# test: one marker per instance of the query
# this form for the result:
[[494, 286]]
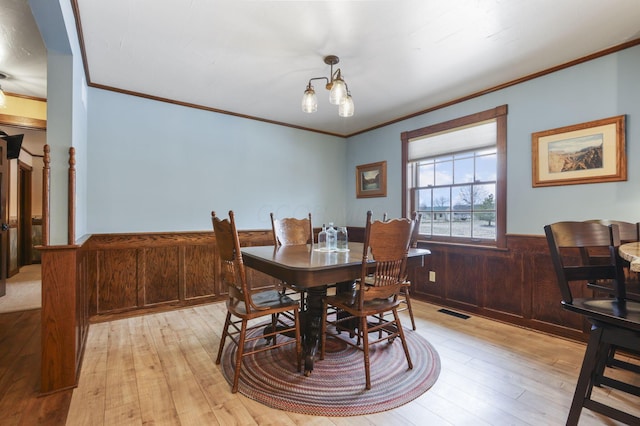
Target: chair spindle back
[[388, 244], [233, 272]]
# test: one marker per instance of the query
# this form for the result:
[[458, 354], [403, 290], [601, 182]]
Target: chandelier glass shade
[[309, 100], [345, 109], [338, 91]]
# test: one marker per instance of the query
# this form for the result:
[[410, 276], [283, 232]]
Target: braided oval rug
[[336, 387]]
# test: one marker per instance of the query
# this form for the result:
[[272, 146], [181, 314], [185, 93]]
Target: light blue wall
[[156, 166], [597, 89], [146, 166], [66, 113]]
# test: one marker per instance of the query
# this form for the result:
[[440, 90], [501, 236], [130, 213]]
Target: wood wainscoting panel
[[516, 284], [463, 278], [143, 272], [546, 297], [117, 280], [420, 282], [82, 297], [199, 272], [158, 271], [160, 275], [503, 286]]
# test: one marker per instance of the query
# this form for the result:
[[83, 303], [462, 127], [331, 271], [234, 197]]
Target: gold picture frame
[[371, 180], [589, 152]]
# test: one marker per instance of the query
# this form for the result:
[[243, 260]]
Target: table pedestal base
[[311, 321]]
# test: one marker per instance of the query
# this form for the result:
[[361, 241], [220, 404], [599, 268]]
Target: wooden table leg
[[312, 315]]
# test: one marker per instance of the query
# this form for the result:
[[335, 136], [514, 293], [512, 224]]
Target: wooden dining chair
[[291, 231], [628, 232], [615, 321], [244, 305], [405, 291], [376, 293]]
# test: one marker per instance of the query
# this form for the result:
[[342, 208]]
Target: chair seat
[[347, 301], [625, 315], [269, 299]]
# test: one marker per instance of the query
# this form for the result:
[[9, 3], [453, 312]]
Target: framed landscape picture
[[371, 180], [584, 153]]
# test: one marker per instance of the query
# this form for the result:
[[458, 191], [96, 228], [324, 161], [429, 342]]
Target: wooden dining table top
[[307, 266], [631, 253]]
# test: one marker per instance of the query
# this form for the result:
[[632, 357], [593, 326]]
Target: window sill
[[469, 245]]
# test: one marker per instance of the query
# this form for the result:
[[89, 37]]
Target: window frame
[[500, 115]]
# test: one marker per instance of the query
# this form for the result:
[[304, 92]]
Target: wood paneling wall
[[146, 271], [515, 285], [114, 275], [65, 316], [130, 272]]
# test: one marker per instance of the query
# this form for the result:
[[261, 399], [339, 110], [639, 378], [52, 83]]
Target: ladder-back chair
[[615, 321], [628, 232]]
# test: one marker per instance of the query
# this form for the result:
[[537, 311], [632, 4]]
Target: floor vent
[[454, 314]]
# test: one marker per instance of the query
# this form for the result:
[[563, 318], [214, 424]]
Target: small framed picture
[[583, 153], [371, 180]]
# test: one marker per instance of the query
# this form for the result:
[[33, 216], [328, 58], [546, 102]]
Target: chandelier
[[339, 91]]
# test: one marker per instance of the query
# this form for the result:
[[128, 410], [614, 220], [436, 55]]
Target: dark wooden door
[[25, 242], [4, 213]]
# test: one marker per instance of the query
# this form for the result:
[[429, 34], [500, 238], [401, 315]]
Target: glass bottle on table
[[342, 240], [332, 238], [322, 239]]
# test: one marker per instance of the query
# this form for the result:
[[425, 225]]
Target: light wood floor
[[159, 369]]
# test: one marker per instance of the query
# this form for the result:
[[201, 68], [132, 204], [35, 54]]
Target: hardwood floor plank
[[51, 410], [487, 407], [20, 337], [122, 405], [154, 393], [14, 406], [19, 382], [190, 403], [448, 411], [199, 347], [89, 398]]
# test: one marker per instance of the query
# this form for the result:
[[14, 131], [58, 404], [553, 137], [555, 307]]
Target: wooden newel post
[[71, 239], [46, 190]]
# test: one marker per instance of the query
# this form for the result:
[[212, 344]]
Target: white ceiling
[[23, 57], [254, 58]]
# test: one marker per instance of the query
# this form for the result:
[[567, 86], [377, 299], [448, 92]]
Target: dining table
[[312, 270], [631, 253]]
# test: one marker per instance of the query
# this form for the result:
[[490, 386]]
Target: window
[[454, 175]]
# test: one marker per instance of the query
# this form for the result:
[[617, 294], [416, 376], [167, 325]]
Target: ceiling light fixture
[[3, 99], [339, 94]]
